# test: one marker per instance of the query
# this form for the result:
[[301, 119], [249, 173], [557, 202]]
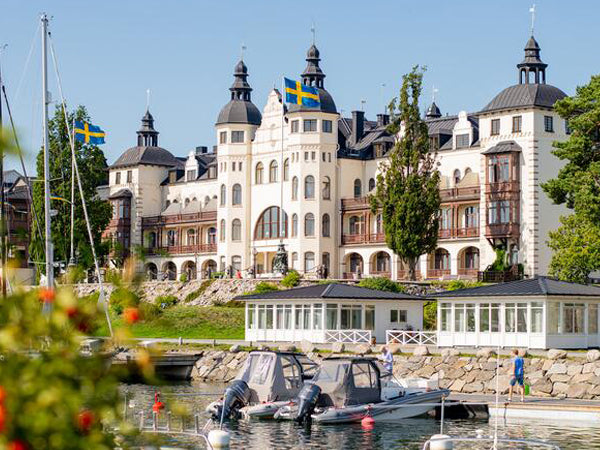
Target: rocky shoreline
[[552, 376]]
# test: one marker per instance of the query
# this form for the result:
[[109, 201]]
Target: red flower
[[85, 420], [2, 395], [2, 418], [131, 315], [46, 295], [17, 445], [71, 311]]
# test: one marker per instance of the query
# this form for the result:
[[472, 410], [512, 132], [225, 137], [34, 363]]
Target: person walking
[[518, 371], [388, 359]]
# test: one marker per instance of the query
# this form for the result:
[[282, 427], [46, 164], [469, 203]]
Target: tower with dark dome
[[240, 108], [532, 68]]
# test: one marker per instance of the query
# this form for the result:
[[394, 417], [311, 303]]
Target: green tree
[[92, 169], [381, 284], [575, 243], [407, 191]]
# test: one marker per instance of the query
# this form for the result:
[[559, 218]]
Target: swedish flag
[[301, 94], [88, 133]]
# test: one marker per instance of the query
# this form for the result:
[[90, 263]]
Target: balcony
[[502, 230], [455, 233], [372, 238], [460, 194], [438, 273], [123, 222], [358, 203], [502, 187], [204, 216], [175, 250], [464, 272]]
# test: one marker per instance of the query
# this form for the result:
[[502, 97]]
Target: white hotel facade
[[219, 208]]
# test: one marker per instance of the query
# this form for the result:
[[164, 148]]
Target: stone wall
[[559, 377]]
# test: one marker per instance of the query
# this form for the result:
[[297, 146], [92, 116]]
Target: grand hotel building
[[220, 208]]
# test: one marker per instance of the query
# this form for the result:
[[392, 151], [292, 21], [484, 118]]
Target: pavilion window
[[298, 317], [287, 317], [370, 317], [306, 317], [279, 317], [515, 318], [552, 326], [331, 315], [262, 317], [537, 317], [459, 318], [351, 317], [317, 316], [251, 314], [470, 317], [592, 318], [398, 316], [573, 318], [446, 316], [269, 317]]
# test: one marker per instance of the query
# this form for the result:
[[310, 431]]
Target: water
[[408, 434]]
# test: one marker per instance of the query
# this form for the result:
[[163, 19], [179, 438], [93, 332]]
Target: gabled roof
[[155, 156], [503, 147], [121, 193], [330, 291], [538, 286]]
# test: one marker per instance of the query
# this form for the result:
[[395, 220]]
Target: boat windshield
[[256, 369], [332, 372]]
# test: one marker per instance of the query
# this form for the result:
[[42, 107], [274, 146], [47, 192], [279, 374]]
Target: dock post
[[154, 421], [197, 423], [141, 420], [442, 414], [169, 421]]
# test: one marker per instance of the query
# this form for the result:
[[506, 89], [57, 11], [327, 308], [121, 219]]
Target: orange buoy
[[158, 405], [367, 422]]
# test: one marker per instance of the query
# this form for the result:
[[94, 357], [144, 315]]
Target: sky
[[110, 52]]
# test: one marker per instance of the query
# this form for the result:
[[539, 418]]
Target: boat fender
[[440, 442], [218, 438], [367, 422]]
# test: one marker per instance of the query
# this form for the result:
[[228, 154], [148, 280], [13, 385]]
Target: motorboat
[[268, 380], [349, 389]]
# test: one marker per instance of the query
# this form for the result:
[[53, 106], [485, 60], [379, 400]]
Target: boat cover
[[345, 382]]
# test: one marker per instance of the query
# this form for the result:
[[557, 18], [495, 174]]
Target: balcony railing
[[498, 230], [183, 249], [507, 186], [452, 233], [370, 238], [500, 276], [122, 222], [438, 273], [355, 203], [410, 337], [204, 216], [470, 273], [460, 193], [348, 336], [403, 274]]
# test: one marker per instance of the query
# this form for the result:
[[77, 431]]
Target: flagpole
[[72, 254], [281, 157]]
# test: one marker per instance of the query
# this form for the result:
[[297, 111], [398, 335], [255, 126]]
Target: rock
[[307, 346], [536, 375], [395, 349], [338, 347], [547, 364], [287, 348], [503, 383], [588, 368], [560, 389], [560, 378], [425, 372], [485, 352], [543, 386], [448, 352], [363, 349], [470, 388], [560, 368], [485, 375], [582, 377], [577, 390], [457, 385], [592, 355], [421, 350], [454, 374], [574, 369], [555, 353], [263, 348]]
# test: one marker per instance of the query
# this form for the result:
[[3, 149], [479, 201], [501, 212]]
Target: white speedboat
[[348, 389], [267, 381]]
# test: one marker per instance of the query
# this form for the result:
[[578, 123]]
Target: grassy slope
[[191, 322]]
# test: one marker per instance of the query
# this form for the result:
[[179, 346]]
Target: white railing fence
[[348, 336], [410, 337]]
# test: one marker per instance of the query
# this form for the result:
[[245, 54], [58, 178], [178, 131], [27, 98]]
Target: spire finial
[[532, 11], [147, 99], [242, 50], [434, 91], [362, 104], [313, 30]]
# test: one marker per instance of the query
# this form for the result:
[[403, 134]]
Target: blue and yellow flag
[[88, 133], [301, 94]]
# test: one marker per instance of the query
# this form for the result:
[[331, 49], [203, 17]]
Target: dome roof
[[326, 104], [313, 52], [154, 156], [240, 111], [524, 96]]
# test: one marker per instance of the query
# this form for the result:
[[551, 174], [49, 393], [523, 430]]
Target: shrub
[[183, 277], [218, 275], [461, 284], [292, 279], [262, 287], [198, 292], [234, 304], [122, 298], [149, 311], [430, 315], [164, 301], [382, 284]]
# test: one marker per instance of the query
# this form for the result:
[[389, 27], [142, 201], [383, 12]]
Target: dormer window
[[191, 175], [237, 137], [434, 143], [172, 177], [495, 127], [379, 150], [462, 140], [212, 172]]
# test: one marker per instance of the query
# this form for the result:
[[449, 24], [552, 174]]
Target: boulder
[[448, 352], [559, 389], [425, 372], [287, 348], [574, 369], [582, 378], [363, 349], [457, 386], [593, 355], [542, 386], [264, 348], [485, 375], [421, 350], [559, 368], [577, 390], [307, 346], [555, 353], [588, 368], [485, 352], [560, 378], [476, 387], [338, 347], [503, 383]]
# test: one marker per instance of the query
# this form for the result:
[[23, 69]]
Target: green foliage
[[430, 315], [575, 244], [233, 304], [576, 249], [407, 192], [165, 301], [500, 264], [292, 279], [149, 311], [218, 275], [382, 284], [183, 277], [92, 169], [262, 288], [454, 285], [198, 292], [122, 297]]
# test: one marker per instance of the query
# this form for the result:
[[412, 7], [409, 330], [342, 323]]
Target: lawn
[[190, 322]]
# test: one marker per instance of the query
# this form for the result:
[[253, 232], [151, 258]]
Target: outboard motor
[[237, 395], [307, 400]]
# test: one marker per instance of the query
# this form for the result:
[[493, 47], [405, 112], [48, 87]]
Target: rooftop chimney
[[383, 120], [201, 150], [358, 125]]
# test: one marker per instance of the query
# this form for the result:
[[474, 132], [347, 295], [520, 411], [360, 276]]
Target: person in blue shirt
[[388, 359], [518, 374]]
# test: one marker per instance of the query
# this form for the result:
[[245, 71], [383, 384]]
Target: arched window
[[456, 176], [236, 195], [258, 173], [286, 169], [357, 188], [191, 236], [309, 187], [382, 262], [167, 203], [236, 230], [269, 224], [326, 188], [371, 184], [273, 168], [236, 263], [294, 260], [467, 171], [309, 261], [171, 238], [309, 224], [379, 223], [223, 195], [441, 259], [211, 236], [325, 226], [186, 202], [294, 225], [356, 224], [295, 188], [222, 231], [152, 239]]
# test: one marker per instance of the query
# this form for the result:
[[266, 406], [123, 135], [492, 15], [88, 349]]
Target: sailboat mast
[[3, 240], [45, 101]]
